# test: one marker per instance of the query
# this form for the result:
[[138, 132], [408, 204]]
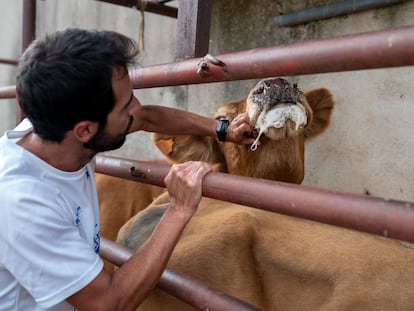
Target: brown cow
[[285, 115], [275, 261]]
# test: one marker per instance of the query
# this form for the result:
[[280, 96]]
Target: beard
[[103, 141]]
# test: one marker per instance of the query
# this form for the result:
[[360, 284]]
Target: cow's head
[[277, 109], [282, 117]]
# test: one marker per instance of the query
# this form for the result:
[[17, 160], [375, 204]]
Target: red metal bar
[[368, 214], [178, 285], [391, 48], [8, 91], [8, 61], [156, 7]]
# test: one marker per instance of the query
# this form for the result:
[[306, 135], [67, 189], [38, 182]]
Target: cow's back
[[279, 262]]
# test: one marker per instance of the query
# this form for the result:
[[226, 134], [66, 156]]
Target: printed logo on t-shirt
[[97, 240], [77, 219]]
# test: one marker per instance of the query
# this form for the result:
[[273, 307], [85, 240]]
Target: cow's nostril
[[259, 89]]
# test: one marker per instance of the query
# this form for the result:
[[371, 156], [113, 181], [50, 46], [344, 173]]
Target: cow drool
[[277, 118]]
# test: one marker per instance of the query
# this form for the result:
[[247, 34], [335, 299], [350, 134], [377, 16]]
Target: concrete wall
[[368, 146]]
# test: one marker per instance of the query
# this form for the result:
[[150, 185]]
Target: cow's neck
[[281, 161]]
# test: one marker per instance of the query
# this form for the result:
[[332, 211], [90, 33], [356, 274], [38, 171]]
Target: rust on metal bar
[[145, 172], [381, 49], [187, 289], [393, 219], [155, 7]]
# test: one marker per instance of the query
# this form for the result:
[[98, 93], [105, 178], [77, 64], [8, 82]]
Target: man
[[75, 90]]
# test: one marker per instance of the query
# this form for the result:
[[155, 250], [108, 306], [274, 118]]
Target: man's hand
[[239, 130], [183, 183]]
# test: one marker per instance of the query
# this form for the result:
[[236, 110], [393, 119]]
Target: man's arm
[[129, 285], [180, 122]]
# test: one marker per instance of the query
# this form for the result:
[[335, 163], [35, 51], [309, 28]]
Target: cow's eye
[[259, 89]]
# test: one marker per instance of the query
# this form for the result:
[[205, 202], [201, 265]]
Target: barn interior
[[197, 55]]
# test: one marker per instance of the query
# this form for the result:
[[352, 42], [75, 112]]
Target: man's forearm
[[148, 263], [172, 121], [128, 286]]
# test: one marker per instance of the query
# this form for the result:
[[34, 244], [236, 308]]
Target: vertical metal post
[[28, 35], [29, 23], [193, 28]]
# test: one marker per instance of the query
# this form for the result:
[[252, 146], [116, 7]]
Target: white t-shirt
[[49, 232]]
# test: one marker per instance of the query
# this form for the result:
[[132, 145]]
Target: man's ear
[[85, 130]]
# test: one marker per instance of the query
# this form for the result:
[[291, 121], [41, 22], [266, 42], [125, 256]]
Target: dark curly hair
[[66, 77]]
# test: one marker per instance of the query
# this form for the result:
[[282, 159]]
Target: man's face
[[105, 141], [120, 119]]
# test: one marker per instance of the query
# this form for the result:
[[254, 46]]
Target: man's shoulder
[[24, 189]]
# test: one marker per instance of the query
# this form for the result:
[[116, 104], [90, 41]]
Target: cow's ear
[[182, 148], [322, 103]]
